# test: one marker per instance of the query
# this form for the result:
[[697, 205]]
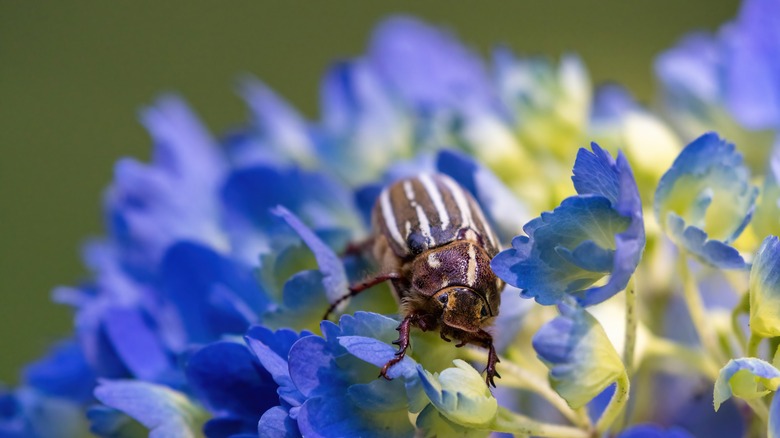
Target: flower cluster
[[203, 313]]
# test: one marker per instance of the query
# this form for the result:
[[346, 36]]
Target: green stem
[[510, 422], [514, 376], [696, 310], [742, 308], [666, 349], [632, 322], [615, 406], [759, 408], [753, 344]]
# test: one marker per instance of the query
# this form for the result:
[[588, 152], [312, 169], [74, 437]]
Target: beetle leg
[[491, 366], [444, 337], [402, 342], [486, 340], [360, 287]]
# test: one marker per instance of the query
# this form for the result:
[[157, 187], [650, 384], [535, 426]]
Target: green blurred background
[[73, 74]]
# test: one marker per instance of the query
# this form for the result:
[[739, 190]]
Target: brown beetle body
[[433, 243]]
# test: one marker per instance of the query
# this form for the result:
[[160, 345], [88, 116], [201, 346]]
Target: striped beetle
[[432, 242]]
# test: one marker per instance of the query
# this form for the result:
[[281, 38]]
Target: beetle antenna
[[358, 288]]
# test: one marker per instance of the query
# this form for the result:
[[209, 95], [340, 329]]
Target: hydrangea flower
[[246, 236], [598, 233], [728, 81], [705, 200]]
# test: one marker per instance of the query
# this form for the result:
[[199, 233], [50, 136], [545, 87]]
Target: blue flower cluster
[[203, 313]]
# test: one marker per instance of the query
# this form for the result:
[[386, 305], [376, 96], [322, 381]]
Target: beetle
[[432, 242]]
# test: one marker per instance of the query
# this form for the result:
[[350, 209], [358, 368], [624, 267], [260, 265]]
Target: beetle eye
[[484, 311], [443, 298]]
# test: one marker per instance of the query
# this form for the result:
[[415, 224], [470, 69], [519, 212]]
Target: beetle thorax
[[459, 263]]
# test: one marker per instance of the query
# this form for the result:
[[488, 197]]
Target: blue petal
[[694, 240], [26, 413], [334, 275], [272, 350], [534, 265], [276, 423], [691, 69], [250, 194], [195, 277], [166, 413], [611, 102], [149, 206], [313, 368], [379, 353], [64, 372], [283, 132], [595, 174], [364, 128], [428, 68], [228, 379], [368, 324], [588, 256], [581, 358], [229, 427], [379, 395], [365, 198], [137, 343], [339, 416], [107, 422], [752, 86]]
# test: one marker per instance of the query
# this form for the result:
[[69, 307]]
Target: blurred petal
[[427, 67], [752, 84], [150, 206], [281, 129], [195, 279], [165, 412], [64, 372]]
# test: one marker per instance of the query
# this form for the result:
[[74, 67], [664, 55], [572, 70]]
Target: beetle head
[[463, 308]]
